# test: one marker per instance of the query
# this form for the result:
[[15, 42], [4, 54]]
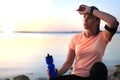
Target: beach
[[113, 74]]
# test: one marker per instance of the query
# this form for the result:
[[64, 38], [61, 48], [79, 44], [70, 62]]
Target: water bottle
[[51, 66]]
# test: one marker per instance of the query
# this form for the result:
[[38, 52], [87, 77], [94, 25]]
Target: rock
[[21, 77], [41, 79], [115, 74], [117, 67]]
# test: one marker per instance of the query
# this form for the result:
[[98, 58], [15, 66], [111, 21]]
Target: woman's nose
[[85, 19]]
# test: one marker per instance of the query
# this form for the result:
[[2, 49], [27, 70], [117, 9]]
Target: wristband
[[91, 11]]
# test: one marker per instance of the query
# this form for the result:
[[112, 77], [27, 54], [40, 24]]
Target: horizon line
[[48, 32]]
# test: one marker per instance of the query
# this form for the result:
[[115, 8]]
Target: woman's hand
[[83, 9], [48, 73]]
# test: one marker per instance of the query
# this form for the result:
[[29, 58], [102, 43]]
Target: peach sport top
[[87, 51]]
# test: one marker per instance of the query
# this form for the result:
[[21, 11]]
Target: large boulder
[[115, 74]]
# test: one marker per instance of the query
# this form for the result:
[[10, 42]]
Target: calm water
[[25, 53]]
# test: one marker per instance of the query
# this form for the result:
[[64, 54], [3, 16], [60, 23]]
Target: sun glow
[[7, 31], [25, 14], [8, 28]]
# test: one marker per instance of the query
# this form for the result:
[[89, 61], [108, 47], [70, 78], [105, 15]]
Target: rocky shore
[[112, 74]]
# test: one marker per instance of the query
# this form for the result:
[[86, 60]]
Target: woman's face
[[89, 21]]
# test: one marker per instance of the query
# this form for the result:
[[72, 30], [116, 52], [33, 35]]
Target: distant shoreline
[[47, 31], [52, 32]]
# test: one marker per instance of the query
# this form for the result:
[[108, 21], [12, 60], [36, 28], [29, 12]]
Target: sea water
[[25, 53]]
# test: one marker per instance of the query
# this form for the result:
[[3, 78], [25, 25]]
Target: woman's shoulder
[[78, 35], [102, 35]]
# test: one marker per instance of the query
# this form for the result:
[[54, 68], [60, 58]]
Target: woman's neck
[[89, 33]]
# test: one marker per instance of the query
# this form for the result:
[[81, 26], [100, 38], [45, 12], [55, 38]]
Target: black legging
[[97, 72]]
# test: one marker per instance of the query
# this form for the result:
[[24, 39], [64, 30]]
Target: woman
[[88, 47]]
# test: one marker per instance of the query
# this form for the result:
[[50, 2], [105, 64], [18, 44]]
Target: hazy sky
[[49, 15]]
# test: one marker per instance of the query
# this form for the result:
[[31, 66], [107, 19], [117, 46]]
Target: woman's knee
[[99, 71]]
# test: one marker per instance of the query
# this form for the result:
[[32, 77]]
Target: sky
[[49, 15]]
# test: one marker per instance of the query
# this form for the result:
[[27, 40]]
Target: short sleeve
[[73, 42], [105, 38]]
